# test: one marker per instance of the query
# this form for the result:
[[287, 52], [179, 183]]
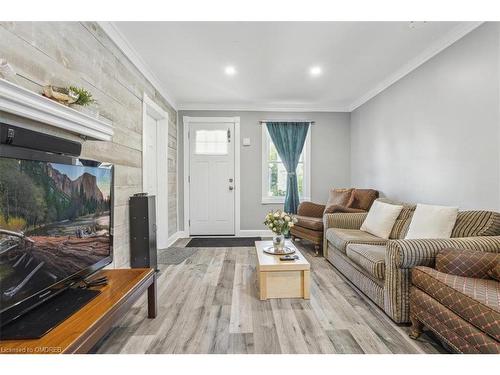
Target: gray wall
[[63, 53], [433, 136], [330, 145]]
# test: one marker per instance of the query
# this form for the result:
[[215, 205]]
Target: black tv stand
[[48, 315]]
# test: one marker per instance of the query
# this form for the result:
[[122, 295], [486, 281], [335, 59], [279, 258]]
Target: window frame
[[266, 139]]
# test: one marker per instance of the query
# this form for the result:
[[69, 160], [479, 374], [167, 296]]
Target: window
[[211, 142], [274, 172]]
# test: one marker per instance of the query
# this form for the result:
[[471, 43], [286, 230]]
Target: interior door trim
[[149, 107], [187, 120]]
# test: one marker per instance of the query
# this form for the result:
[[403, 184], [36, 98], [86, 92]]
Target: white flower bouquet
[[280, 223]]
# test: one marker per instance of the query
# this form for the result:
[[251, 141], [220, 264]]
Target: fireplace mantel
[[22, 102]]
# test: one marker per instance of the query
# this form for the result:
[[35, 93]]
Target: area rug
[[223, 242], [175, 255]]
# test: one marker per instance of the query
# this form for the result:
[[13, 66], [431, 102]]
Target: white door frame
[[149, 107], [187, 120]]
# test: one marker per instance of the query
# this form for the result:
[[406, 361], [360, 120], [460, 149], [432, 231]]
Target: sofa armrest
[[344, 220], [310, 209], [422, 252]]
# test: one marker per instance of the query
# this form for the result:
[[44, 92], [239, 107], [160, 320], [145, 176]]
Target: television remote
[[289, 257]]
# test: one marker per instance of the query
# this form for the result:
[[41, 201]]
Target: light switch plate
[[246, 141]]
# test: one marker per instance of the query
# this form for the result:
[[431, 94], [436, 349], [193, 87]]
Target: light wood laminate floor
[[209, 304]]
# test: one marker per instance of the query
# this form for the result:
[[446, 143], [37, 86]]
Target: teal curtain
[[289, 139]]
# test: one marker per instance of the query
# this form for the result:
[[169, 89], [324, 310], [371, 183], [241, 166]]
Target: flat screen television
[[55, 222]]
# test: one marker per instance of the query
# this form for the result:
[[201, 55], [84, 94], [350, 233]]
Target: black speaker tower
[[143, 231]]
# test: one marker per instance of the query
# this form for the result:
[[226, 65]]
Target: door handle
[[231, 187]]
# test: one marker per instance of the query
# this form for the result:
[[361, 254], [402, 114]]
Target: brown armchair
[[310, 215]]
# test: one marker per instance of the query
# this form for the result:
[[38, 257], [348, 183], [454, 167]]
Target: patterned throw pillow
[[338, 197], [494, 273], [467, 263], [363, 198]]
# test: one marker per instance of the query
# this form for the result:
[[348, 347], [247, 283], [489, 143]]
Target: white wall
[[434, 136], [330, 142]]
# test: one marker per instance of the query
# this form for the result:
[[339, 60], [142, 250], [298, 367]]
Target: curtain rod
[[281, 120]]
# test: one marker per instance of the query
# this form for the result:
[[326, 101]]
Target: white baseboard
[[254, 233], [174, 237]]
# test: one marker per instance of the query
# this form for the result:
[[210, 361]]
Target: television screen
[[54, 223]]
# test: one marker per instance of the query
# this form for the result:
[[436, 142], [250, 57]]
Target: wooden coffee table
[[282, 279]]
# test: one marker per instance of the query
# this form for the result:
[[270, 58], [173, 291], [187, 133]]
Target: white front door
[[155, 173], [211, 178]]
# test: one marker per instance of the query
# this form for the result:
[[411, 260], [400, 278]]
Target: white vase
[[279, 243]]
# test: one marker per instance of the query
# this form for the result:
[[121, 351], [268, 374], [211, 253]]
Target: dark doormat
[[223, 242]]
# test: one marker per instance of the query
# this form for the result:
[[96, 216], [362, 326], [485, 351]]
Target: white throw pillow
[[432, 222], [381, 219]]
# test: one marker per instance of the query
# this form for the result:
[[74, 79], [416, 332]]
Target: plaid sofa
[[458, 300], [381, 268]]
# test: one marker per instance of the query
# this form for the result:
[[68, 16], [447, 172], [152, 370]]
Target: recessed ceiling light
[[230, 70], [315, 71]]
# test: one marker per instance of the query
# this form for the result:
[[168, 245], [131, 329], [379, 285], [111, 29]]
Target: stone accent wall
[[81, 54]]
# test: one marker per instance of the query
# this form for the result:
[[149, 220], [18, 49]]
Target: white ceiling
[[272, 59]]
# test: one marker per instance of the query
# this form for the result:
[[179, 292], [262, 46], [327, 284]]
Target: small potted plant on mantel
[[280, 223], [71, 95]]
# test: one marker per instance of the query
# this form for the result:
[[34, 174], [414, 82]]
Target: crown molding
[[121, 41], [436, 47], [124, 45], [258, 108]]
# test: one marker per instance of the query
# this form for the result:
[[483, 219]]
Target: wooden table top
[[269, 262], [71, 332]]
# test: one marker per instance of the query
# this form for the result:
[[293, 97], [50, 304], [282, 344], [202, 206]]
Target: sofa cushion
[[338, 197], [363, 198], [400, 228], [403, 221], [467, 263], [369, 257], [475, 300], [476, 223], [369, 285], [340, 238], [314, 223], [381, 218]]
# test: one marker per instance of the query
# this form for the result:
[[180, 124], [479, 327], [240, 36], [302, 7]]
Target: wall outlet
[[246, 141]]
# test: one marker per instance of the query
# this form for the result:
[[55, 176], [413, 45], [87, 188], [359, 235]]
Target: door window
[[211, 142]]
